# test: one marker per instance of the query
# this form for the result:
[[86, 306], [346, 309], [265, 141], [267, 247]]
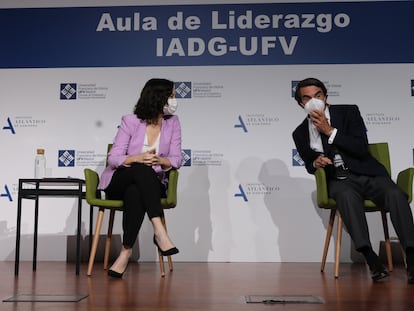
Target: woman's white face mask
[[314, 104], [171, 106]]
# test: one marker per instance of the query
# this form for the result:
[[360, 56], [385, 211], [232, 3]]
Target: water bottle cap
[[40, 151]]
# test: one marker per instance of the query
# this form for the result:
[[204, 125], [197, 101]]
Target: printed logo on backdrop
[[255, 120], [381, 119], [5, 193], [21, 123], [193, 157], [66, 158], [9, 126], [333, 88], [68, 91], [253, 189], [186, 154], [412, 87], [413, 156], [182, 89], [207, 90], [81, 158], [72, 91], [296, 159], [87, 158]]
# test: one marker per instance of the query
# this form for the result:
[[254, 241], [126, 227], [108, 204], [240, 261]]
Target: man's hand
[[321, 161], [319, 119]]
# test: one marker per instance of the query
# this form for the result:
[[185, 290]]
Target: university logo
[[413, 156], [68, 91], [296, 159], [6, 193], [9, 126], [294, 83], [412, 87], [241, 194], [66, 158], [241, 125], [182, 89], [186, 153]]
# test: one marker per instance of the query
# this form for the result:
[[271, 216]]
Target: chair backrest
[[381, 152], [107, 152], [171, 200], [91, 181]]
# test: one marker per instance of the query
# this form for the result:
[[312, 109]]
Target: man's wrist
[[332, 135]]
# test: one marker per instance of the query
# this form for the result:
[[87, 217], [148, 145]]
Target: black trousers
[[141, 190], [349, 195]]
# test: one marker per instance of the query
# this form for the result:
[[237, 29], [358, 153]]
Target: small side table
[[32, 189]]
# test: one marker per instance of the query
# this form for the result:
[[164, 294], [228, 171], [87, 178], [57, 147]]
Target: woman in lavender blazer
[[146, 147]]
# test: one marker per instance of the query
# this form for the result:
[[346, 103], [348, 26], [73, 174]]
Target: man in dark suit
[[334, 137]]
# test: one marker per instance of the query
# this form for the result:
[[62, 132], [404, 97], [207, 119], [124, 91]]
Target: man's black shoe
[[380, 273], [410, 276]]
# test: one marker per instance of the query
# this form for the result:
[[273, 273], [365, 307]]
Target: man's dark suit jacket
[[351, 141]]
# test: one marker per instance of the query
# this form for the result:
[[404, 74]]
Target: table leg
[[79, 229], [36, 227], [18, 228]]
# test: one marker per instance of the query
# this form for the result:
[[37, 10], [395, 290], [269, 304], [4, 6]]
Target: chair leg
[[387, 240], [95, 241], [328, 238], [108, 238], [338, 245], [161, 258]]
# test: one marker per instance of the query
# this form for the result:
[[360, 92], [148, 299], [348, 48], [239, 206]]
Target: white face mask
[[171, 106], [314, 104]]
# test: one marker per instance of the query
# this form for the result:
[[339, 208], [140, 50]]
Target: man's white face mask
[[171, 107], [314, 104]]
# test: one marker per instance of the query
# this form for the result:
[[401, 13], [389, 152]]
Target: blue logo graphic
[[413, 155], [241, 124], [9, 126], [412, 87], [183, 89], [186, 153], [293, 87], [296, 159], [241, 194], [68, 91], [66, 158], [7, 193]]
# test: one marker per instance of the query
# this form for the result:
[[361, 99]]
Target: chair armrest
[[405, 182], [321, 188]]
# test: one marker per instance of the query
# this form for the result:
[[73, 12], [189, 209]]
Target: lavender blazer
[[130, 139]]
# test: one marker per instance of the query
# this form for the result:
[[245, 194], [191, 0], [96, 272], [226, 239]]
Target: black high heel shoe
[[115, 274], [168, 252]]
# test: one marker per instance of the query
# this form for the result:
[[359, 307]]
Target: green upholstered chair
[[404, 180], [93, 198]]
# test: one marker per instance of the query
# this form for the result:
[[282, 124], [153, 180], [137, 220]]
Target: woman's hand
[[146, 158], [163, 162], [149, 158]]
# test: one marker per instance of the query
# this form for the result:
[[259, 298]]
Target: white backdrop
[[241, 196]]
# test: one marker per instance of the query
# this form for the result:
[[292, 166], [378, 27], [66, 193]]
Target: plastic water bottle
[[40, 164]]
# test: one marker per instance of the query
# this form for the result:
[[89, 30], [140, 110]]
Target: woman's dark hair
[[309, 82], [153, 98]]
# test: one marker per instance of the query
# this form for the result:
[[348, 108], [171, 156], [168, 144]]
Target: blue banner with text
[[201, 35]]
